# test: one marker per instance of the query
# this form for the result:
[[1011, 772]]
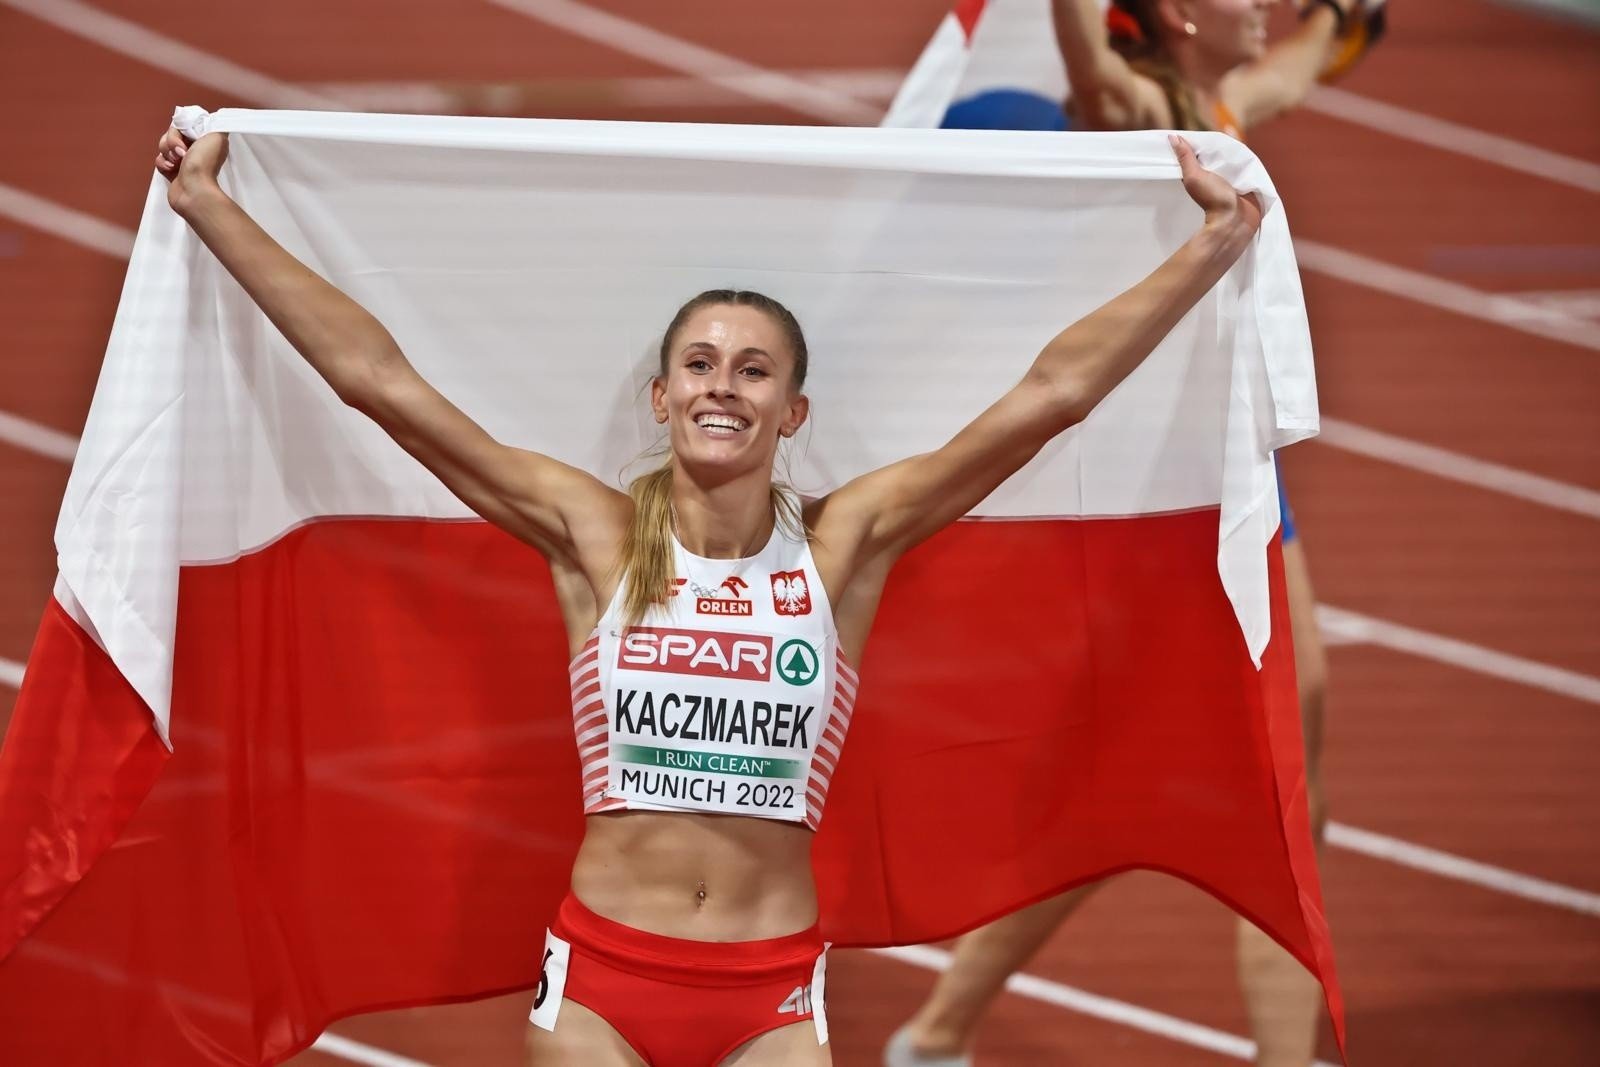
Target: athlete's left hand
[[1224, 205]]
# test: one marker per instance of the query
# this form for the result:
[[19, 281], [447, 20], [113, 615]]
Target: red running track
[[1438, 754]]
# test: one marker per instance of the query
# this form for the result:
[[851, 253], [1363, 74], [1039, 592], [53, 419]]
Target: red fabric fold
[[79, 756]]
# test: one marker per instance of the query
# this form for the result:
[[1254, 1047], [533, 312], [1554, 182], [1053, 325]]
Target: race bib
[[552, 983], [716, 720]]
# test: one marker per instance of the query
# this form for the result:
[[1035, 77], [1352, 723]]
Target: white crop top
[[730, 698]]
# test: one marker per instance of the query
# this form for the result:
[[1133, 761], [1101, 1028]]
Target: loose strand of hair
[[646, 558]]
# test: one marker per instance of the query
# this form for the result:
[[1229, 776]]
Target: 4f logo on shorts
[[798, 1003], [790, 596]]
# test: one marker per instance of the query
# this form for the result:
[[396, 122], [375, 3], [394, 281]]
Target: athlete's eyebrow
[[707, 346]]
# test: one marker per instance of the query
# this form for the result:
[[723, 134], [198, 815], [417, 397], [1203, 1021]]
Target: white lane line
[[1092, 1004], [1357, 628], [1579, 303], [11, 673], [356, 1052], [1456, 868], [1509, 311], [35, 437], [1585, 12], [1452, 137], [1336, 638], [64, 222], [876, 86], [176, 58], [1508, 481], [675, 53]]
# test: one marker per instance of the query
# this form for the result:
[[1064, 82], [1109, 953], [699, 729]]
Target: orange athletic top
[[1226, 122]]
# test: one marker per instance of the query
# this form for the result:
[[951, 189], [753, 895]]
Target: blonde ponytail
[[647, 564]]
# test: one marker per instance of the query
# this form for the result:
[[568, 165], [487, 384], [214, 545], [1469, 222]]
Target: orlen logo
[[720, 605], [700, 652]]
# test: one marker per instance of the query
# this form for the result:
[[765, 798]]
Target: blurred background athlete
[[1186, 65]]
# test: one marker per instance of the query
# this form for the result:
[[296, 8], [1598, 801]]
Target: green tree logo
[[797, 662]]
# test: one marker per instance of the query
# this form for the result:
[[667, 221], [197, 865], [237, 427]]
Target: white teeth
[[720, 422]]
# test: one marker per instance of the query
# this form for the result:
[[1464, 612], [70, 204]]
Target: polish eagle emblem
[[790, 596]]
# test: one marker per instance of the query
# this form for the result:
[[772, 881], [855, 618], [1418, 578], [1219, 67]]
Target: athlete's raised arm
[[560, 510], [1109, 93], [876, 517], [1287, 73]]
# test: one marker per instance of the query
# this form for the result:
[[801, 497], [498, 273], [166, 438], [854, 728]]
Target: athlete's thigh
[[794, 1044], [1311, 675], [581, 1038], [1310, 658]]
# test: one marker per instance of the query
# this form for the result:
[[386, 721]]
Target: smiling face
[[729, 391], [1232, 32]]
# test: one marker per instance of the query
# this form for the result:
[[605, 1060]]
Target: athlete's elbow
[[370, 380], [1065, 395]]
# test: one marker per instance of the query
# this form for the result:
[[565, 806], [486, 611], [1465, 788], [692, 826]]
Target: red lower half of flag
[[373, 798]]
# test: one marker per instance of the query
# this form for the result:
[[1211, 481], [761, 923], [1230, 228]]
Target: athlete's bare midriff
[[699, 877]]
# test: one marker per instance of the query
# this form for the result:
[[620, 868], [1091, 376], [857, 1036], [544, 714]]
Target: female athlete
[[1187, 65], [689, 934]]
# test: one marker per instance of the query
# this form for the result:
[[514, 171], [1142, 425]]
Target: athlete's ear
[[658, 398], [1173, 14], [795, 417]]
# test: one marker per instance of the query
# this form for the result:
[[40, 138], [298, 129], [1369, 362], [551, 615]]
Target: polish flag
[[294, 740]]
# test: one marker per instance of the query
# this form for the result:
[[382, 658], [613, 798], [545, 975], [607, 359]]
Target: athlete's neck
[[730, 520], [1203, 75]]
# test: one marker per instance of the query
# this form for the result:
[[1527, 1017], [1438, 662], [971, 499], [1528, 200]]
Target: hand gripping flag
[[294, 739]]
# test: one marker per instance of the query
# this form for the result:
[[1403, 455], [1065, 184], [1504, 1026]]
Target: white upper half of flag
[[527, 268]]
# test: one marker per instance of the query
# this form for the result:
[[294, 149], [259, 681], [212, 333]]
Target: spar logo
[[704, 653], [797, 662]]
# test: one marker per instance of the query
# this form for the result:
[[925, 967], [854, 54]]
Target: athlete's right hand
[[191, 166], [170, 151], [1226, 208]]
